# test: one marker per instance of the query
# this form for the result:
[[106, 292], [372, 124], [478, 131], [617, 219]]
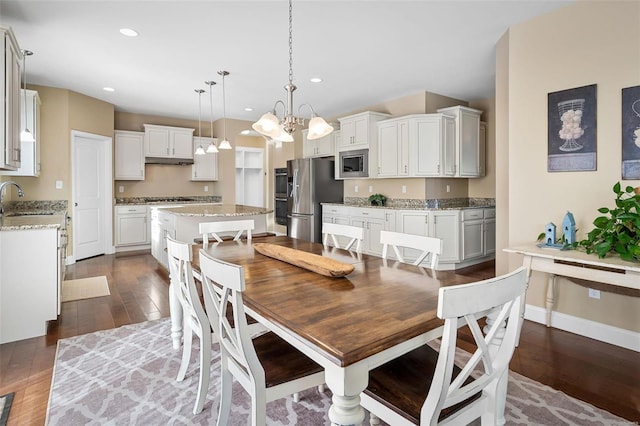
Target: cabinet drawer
[[489, 213], [472, 214], [336, 210], [130, 209], [368, 213]]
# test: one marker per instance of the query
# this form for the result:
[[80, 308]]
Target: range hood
[[167, 160]]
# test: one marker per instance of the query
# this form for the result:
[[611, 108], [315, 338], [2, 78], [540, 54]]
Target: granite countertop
[[216, 210], [168, 200], [410, 207], [34, 221]]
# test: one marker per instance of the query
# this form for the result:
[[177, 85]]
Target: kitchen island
[[181, 223]]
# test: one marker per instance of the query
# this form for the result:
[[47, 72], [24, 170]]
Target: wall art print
[[631, 133], [571, 122]]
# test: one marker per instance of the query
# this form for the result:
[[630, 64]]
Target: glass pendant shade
[[225, 144], [200, 150], [318, 128], [268, 125], [212, 148], [284, 136]]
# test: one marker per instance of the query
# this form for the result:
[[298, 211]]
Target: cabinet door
[[413, 222], [472, 239], [468, 142], [205, 167], [156, 142], [489, 236], [181, 142], [446, 226], [388, 149], [448, 141], [129, 150], [11, 106], [348, 132], [131, 229], [424, 136], [372, 236]]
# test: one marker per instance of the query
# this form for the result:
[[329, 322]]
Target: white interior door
[[91, 216]]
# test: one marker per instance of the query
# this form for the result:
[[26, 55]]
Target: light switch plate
[[58, 184], [121, 188], [370, 188], [355, 188], [206, 188]]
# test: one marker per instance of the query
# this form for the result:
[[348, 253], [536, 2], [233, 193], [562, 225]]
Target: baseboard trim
[[584, 327]]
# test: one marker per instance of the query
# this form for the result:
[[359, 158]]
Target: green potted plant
[[619, 232], [377, 199]]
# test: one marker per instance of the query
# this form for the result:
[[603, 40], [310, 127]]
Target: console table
[[617, 273]]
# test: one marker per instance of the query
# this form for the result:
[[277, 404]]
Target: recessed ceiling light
[[245, 132], [108, 89], [248, 109], [128, 32], [316, 80]]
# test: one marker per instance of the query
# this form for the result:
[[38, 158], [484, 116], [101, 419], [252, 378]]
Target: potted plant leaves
[[377, 199]]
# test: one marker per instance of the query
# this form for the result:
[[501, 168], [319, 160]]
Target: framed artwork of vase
[[571, 123], [631, 133]]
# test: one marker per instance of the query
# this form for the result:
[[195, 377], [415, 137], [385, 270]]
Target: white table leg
[[551, 292], [175, 310], [346, 385]]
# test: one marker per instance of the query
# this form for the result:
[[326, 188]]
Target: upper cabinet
[[393, 147], [10, 105], [29, 150], [129, 163], [204, 167], [464, 157], [322, 147], [359, 131], [168, 142]]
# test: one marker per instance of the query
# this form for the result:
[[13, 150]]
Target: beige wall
[[584, 43]]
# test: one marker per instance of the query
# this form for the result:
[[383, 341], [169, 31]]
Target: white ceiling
[[366, 52]]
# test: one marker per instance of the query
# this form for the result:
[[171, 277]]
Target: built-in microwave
[[354, 164]]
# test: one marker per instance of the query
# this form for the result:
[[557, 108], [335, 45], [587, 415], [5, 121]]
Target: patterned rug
[[126, 376]]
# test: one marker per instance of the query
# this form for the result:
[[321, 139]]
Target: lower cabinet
[[339, 215], [472, 233], [131, 225], [373, 221], [163, 225], [443, 224]]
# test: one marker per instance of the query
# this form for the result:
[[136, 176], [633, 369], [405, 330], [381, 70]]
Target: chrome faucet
[[2, 185]]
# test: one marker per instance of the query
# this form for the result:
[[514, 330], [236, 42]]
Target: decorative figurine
[[568, 234], [569, 229], [550, 234]]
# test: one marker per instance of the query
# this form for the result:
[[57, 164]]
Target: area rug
[[84, 288], [5, 407], [126, 376]]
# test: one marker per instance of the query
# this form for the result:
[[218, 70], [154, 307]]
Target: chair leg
[[226, 381], [373, 419], [259, 408], [296, 397], [186, 351], [205, 365], [321, 388]]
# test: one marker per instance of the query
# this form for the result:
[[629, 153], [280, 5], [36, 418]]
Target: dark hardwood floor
[[603, 375]]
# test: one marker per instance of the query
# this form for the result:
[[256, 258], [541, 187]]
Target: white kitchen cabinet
[[132, 226], [413, 222], [429, 135], [337, 214], [465, 160], [11, 103], [163, 225], [393, 147], [250, 176], [472, 238], [322, 147], [359, 131], [482, 156], [204, 167], [30, 294], [373, 221], [29, 150], [168, 142], [129, 152], [489, 231], [445, 224]]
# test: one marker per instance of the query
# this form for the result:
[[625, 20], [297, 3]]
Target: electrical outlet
[[121, 188], [206, 188], [594, 294], [448, 188], [370, 188], [58, 184], [355, 188], [404, 189]]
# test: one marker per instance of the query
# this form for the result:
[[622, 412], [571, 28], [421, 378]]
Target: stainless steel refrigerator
[[310, 181]]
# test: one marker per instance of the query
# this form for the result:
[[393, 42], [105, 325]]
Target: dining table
[[350, 324]]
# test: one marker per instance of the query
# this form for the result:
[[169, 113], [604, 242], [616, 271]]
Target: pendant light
[[200, 149], [25, 135], [225, 143], [270, 125], [212, 148]]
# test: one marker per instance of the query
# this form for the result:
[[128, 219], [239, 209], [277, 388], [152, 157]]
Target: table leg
[[551, 291], [175, 309], [346, 385]]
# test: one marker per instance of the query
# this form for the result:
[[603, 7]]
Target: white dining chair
[[215, 229], [267, 367], [425, 387], [335, 230], [428, 246], [195, 319]]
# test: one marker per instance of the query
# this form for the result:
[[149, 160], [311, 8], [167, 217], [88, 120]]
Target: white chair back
[[498, 299], [214, 229], [429, 246], [195, 319], [334, 230]]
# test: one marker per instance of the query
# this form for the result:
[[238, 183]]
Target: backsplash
[[36, 207], [159, 200], [433, 203]]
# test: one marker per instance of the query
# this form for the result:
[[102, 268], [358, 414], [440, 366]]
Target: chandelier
[[270, 125]]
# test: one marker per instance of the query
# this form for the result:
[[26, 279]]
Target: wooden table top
[[379, 305]]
